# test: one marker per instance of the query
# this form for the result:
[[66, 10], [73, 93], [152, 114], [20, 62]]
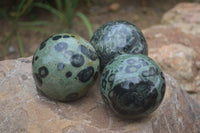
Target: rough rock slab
[[174, 45], [23, 109], [183, 13]]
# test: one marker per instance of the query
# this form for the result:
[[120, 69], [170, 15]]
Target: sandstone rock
[[178, 61], [176, 52], [181, 25], [183, 13], [23, 109], [184, 16]]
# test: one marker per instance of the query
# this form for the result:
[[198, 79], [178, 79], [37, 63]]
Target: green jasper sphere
[[132, 85], [64, 66], [118, 37]]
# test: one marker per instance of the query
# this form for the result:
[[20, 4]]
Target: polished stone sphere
[[132, 85], [64, 66], [118, 37]]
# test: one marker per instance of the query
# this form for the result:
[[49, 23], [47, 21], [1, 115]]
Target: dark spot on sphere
[[66, 36], [43, 72], [129, 98], [72, 96], [77, 60], [68, 74], [43, 44], [103, 84], [73, 36], [87, 52], [85, 74], [60, 66], [96, 75], [36, 58], [37, 79], [61, 46], [162, 75], [56, 37]]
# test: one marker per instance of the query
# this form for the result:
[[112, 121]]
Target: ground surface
[[143, 13]]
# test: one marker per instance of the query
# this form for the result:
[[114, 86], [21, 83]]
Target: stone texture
[[183, 13], [175, 45], [176, 52], [185, 16], [178, 61], [23, 109]]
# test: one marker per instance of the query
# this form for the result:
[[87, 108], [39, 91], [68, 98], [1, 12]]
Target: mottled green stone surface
[[132, 85], [64, 66], [115, 38]]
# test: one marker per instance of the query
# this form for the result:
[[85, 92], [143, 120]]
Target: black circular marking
[[85, 74], [43, 72], [37, 79], [60, 66], [66, 36], [162, 75], [68, 74], [43, 44], [73, 36], [36, 58], [77, 60], [72, 96], [56, 37], [61, 46], [87, 52]]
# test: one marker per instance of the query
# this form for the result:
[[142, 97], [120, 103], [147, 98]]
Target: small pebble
[[114, 7]]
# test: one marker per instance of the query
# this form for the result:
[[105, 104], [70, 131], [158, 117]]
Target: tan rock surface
[[181, 29], [183, 13], [23, 109], [178, 61]]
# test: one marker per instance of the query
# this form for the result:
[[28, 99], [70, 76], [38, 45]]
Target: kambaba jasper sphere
[[64, 66], [118, 37], [132, 85]]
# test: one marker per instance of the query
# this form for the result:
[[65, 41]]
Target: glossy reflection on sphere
[[132, 85], [64, 66], [118, 37]]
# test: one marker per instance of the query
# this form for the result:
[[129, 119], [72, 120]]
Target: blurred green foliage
[[65, 10]]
